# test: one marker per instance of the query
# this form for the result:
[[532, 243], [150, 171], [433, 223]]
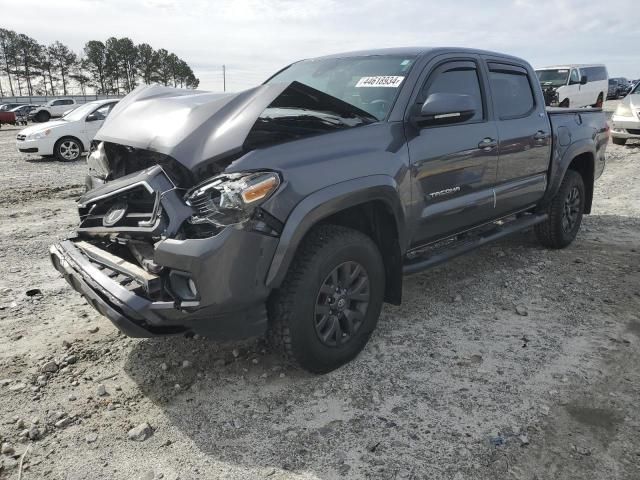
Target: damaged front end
[[158, 259], [174, 239], [551, 98]]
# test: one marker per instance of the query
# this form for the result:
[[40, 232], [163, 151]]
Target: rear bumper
[[231, 306]]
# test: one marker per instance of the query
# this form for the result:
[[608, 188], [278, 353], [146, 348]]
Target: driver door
[[454, 164]]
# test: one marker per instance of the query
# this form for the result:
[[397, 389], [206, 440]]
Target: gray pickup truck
[[294, 209]]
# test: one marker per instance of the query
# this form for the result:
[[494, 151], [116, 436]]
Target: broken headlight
[[98, 163], [230, 199]]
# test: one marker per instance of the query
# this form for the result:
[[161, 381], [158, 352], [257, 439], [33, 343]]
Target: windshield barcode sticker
[[381, 81]]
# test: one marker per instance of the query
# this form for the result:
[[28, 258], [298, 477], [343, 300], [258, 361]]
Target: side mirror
[[583, 80], [446, 108], [92, 117]]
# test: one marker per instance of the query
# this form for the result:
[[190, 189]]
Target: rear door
[[524, 135], [453, 165]]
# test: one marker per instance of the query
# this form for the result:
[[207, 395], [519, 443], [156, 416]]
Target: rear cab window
[[512, 92]]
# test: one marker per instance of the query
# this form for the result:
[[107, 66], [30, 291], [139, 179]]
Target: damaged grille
[[135, 208]]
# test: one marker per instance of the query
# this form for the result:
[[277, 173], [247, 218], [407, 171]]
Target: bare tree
[[63, 59]]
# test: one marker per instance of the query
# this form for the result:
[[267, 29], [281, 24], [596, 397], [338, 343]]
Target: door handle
[[540, 135], [488, 144]]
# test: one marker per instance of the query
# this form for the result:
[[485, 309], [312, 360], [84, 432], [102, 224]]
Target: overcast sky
[[254, 38]]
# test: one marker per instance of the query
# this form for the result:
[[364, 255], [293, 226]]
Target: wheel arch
[[72, 137], [370, 204], [584, 164], [580, 157]]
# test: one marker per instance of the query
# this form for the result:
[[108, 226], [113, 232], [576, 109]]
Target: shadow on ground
[[437, 379]]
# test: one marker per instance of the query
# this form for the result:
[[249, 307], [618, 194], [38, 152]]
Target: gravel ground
[[511, 362]]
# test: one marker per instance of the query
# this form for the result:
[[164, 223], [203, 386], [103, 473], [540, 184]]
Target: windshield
[[80, 112], [553, 78], [368, 83]]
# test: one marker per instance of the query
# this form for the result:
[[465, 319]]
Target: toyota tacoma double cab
[[293, 209]]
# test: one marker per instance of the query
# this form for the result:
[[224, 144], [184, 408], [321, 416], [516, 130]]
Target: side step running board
[[500, 231]]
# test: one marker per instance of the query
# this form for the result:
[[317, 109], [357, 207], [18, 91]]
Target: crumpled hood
[[188, 125]]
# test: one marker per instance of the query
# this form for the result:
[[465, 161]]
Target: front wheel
[[67, 149], [565, 213], [329, 303], [42, 117]]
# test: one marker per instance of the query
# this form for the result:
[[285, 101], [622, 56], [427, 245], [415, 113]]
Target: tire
[[619, 141], [42, 116], [67, 149], [599, 101], [308, 319], [564, 103], [565, 213]]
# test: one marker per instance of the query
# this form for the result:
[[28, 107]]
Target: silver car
[[626, 118]]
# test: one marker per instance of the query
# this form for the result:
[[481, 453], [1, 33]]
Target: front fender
[[325, 202]]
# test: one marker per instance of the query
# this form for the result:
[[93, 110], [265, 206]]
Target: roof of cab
[[418, 51]]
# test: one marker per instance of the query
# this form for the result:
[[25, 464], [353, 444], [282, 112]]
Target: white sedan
[[69, 136]]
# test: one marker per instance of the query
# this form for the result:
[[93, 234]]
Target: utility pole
[[224, 78]]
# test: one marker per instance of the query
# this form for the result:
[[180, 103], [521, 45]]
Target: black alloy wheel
[[571, 212], [341, 304]]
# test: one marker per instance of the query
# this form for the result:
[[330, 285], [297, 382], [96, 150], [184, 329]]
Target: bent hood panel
[[188, 125]]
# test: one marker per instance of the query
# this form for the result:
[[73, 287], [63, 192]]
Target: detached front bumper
[[228, 270]]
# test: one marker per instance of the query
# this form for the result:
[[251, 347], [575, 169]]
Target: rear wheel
[[619, 141], [564, 103], [67, 149], [565, 213], [329, 303]]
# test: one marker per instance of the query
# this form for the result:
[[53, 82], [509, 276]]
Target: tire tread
[[280, 305]]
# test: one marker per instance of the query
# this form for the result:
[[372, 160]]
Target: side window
[[575, 78], [56, 103], [456, 77], [511, 91], [67, 102], [103, 111], [598, 73]]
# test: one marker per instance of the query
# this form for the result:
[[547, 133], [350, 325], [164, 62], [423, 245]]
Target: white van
[[574, 85]]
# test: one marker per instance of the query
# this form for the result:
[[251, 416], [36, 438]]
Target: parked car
[[68, 137], [52, 109], [16, 116], [624, 86], [22, 113], [614, 89], [574, 85], [9, 106], [295, 207], [626, 119]]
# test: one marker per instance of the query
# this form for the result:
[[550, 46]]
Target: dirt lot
[[455, 384]]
